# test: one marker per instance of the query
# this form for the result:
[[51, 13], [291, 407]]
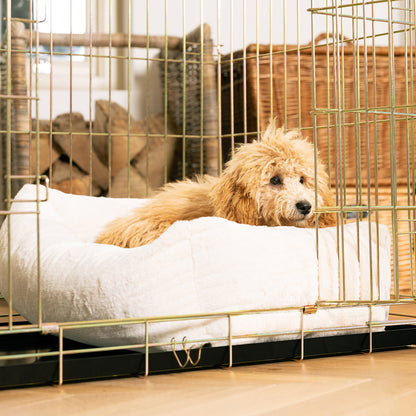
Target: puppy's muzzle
[[304, 207]]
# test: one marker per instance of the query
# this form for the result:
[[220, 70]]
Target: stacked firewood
[[115, 155]]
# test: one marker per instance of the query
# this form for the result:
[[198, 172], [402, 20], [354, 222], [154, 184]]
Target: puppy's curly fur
[[270, 182]]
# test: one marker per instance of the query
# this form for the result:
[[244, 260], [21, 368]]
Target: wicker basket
[[291, 97], [192, 87], [405, 227]]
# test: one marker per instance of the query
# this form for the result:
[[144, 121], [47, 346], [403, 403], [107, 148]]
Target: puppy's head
[[272, 182]]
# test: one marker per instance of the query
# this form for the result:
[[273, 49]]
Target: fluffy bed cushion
[[199, 266]]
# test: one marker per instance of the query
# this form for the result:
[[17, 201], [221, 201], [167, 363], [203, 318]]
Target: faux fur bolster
[[200, 266]]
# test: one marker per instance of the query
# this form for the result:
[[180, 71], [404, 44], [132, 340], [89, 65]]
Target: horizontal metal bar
[[395, 322], [366, 111], [366, 18], [123, 134], [403, 300], [24, 20], [21, 329], [115, 40], [340, 6], [18, 97], [220, 315], [365, 208], [19, 212]]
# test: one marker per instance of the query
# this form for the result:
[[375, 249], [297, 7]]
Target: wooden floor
[[382, 383]]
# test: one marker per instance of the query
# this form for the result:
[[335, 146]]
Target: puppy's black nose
[[304, 207]]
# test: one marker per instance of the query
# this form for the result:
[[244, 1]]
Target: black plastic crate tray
[[125, 363]]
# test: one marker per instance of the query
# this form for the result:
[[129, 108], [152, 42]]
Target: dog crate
[[117, 109]]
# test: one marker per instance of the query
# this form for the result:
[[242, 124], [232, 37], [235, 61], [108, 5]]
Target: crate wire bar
[[220, 84]]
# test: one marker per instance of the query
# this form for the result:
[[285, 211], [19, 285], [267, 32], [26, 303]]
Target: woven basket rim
[[306, 49]]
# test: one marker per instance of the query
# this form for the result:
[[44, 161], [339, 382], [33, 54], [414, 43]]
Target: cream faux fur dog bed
[[200, 266]]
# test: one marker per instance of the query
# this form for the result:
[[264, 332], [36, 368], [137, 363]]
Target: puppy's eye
[[302, 180], [275, 180]]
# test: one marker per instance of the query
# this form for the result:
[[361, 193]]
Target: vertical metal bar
[[315, 133], [367, 138], [8, 160], [370, 328], [147, 92], [375, 141], [284, 65], [357, 98], [343, 190], [341, 146], [298, 57], [30, 79], [339, 141], [129, 103], [271, 58], [302, 335], [201, 22], [146, 340], [38, 266], [230, 343], [165, 139], [219, 71], [184, 50], [61, 356], [110, 112], [257, 70], [51, 88], [232, 75], [407, 18], [356, 106], [392, 102], [338, 158], [165, 175], [328, 98], [245, 69], [70, 95], [90, 130]]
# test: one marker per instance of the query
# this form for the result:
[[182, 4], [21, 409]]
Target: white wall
[[226, 20]]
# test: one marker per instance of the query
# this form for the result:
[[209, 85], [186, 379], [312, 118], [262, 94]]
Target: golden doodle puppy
[[270, 182]]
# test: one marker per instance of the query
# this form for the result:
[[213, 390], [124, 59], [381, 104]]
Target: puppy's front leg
[[180, 201]]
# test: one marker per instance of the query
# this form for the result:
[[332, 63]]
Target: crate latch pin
[[50, 328], [187, 352]]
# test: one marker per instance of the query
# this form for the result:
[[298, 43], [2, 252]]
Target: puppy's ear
[[233, 201], [327, 219]]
